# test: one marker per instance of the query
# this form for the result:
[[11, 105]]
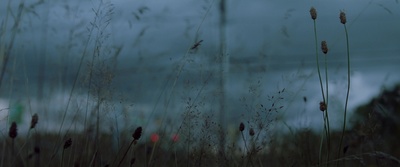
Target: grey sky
[[267, 40]]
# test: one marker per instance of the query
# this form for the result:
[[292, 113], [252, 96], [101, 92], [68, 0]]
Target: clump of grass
[[200, 145], [324, 104], [200, 134], [260, 118], [241, 129]]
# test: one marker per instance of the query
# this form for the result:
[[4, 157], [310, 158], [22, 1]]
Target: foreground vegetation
[[200, 139], [373, 141]]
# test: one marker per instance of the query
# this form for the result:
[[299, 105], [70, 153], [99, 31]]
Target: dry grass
[[199, 137]]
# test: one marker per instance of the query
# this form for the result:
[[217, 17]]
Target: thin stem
[[62, 158], [348, 90], [126, 152], [73, 88], [176, 159], [245, 143], [152, 153], [12, 150], [247, 149], [320, 147], [317, 59], [326, 111], [320, 80]]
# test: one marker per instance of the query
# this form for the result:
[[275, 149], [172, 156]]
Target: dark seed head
[[322, 106], [36, 150], [34, 121], [68, 143], [13, 133], [342, 17], [345, 149], [251, 132], [241, 127], [138, 133], [313, 13], [324, 47]]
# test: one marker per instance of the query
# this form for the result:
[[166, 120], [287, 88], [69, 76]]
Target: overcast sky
[[271, 41]]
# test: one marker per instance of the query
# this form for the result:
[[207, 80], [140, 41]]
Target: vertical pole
[[223, 60]]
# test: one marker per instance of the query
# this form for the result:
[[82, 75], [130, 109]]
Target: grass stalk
[[67, 144], [317, 59], [320, 147], [152, 152], [14, 30], [126, 152], [313, 14], [136, 136], [178, 75], [343, 21], [175, 157], [5, 53], [324, 48], [62, 158]]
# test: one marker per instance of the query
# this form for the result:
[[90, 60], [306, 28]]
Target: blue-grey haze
[[270, 45]]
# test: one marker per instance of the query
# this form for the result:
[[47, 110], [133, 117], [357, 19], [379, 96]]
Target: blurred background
[[146, 63]]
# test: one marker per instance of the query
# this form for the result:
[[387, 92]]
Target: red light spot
[[154, 137], [175, 138]]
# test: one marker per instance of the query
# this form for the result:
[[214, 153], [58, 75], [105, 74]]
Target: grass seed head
[[313, 13], [138, 132], [241, 127], [13, 133], [34, 121], [68, 143], [324, 47], [36, 150], [322, 106], [251, 132], [342, 17]]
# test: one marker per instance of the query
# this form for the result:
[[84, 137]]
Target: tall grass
[[7, 42], [200, 137], [343, 20], [324, 103]]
